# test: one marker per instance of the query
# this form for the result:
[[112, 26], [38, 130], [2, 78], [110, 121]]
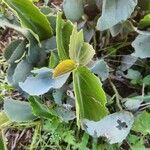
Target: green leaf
[[114, 12], [68, 137], [15, 50], [46, 10], [84, 142], [144, 4], [73, 9], [53, 60], [89, 95], [52, 125], [39, 109], [145, 21], [142, 122], [76, 43], [2, 147], [85, 54], [18, 111], [10, 48], [33, 55], [79, 51], [52, 19], [146, 80], [63, 33], [36, 54], [31, 18], [141, 45], [3, 118], [136, 142]]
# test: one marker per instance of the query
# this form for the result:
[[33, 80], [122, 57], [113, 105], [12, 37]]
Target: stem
[[147, 106], [94, 41], [36, 133], [143, 89], [120, 46], [4, 139], [118, 97]]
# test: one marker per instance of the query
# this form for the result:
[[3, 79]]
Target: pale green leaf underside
[[18, 111], [142, 46], [101, 69], [115, 127], [115, 11], [73, 9]]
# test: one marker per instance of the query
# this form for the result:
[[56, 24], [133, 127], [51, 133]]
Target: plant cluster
[[60, 65]]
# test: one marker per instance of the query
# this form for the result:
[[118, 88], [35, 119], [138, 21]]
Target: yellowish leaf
[[64, 67]]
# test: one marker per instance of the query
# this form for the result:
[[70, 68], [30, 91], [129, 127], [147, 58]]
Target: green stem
[[4, 139], [35, 136], [118, 97]]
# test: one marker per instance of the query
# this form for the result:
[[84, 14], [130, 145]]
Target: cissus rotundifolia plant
[[45, 35], [74, 55]]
